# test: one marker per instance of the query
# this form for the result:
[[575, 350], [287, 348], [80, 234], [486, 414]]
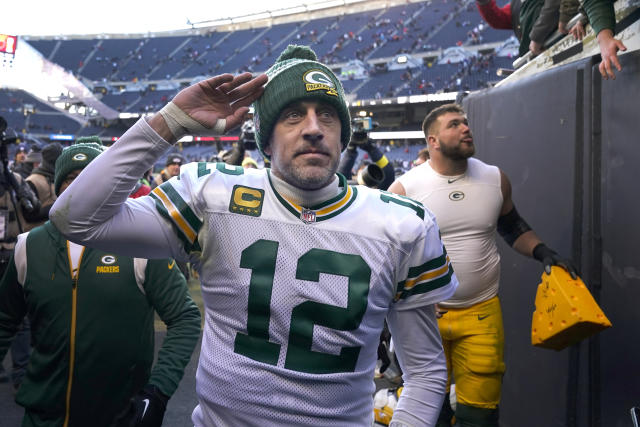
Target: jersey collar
[[324, 210]]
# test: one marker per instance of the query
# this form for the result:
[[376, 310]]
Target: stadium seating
[[420, 28]]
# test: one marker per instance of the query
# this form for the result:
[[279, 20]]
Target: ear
[[432, 142]]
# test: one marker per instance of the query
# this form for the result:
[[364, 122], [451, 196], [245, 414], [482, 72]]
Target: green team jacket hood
[[93, 337]]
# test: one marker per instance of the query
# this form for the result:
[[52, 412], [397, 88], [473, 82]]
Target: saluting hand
[[221, 97]]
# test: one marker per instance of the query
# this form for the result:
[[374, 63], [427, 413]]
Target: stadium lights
[[58, 137]]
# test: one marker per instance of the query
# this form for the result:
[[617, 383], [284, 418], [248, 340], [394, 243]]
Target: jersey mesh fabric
[[242, 254]]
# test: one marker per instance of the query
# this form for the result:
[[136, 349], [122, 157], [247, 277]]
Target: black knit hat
[[76, 156], [175, 158], [297, 75]]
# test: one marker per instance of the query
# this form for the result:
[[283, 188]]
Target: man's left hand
[[548, 257], [146, 409], [535, 48], [609, 48]]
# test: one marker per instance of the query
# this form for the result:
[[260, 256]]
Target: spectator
[[469, 199], [93, 341], [172, 168], [31, 161], [423, 156], [249, 163], [522, 21], [18, 160], [279, 251], [17, 204]]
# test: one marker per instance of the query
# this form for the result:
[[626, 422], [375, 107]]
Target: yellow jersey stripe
[[336, 205], [429, 275], [175, 215]]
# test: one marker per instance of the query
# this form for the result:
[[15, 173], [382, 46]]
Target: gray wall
[[570, 143]]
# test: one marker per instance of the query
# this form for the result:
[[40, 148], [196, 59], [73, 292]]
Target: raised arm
[[95, 211]]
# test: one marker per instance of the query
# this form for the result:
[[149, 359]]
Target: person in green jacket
[[92, 324]]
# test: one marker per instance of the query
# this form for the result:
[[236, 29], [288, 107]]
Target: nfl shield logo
[[308, 216]]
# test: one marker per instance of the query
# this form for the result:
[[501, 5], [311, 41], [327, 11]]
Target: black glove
[[363, 143], [549, 257], [146, 409], [27, 198]]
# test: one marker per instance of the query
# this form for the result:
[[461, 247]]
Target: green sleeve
[[601, 14], [166, 289], [13, 307]]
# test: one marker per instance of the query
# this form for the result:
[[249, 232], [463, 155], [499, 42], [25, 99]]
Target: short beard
[[296, 177], [457, 152]]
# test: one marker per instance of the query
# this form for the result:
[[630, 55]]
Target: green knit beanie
[[297, 75], [76, 156]]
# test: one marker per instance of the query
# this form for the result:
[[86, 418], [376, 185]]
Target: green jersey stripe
[[432, 264], [424, 287], [188, 245], [182, 207]]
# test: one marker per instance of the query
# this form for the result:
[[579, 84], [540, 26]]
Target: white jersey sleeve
[[95, 210], [426, 275]]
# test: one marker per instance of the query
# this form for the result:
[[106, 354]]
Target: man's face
[[454, 136], [69, 179], [20, 156], [305, 145], [173, 169]]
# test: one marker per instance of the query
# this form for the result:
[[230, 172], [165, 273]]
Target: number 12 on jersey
[[260, 257]]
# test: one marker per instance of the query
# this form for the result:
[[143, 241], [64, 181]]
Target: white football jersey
[[467, 208], [295, 298]]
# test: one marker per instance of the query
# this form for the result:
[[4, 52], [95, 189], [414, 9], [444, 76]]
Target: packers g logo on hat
[[80, 157], [319, 80]]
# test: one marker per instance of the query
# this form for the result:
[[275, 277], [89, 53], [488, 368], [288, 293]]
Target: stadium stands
[[129, 69]]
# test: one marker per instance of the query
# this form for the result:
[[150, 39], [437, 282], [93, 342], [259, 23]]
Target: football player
[[298, 269]]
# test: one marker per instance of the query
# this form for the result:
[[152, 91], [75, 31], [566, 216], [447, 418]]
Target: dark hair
[[437, 112]]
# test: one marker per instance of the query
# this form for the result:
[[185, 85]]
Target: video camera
[[26, 196], [3, 134], [360, 127], [248, 135]]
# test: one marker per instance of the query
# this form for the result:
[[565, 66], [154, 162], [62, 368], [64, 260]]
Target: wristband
[[180, 123]]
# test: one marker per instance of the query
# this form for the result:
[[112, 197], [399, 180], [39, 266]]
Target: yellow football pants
[[473, 341]]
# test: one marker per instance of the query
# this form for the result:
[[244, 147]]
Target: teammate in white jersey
[[470, 199], [298, 269]]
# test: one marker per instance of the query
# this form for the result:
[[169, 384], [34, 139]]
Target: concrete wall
[[570, 143]]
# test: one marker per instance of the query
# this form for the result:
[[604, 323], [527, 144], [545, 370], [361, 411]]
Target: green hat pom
[[295, 51]]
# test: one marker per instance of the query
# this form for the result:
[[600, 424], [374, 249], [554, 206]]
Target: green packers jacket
[[93, 328]]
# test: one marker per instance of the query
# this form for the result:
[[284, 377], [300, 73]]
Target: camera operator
[[17, 204], [378, 174], [247, 141], [41, 182]]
